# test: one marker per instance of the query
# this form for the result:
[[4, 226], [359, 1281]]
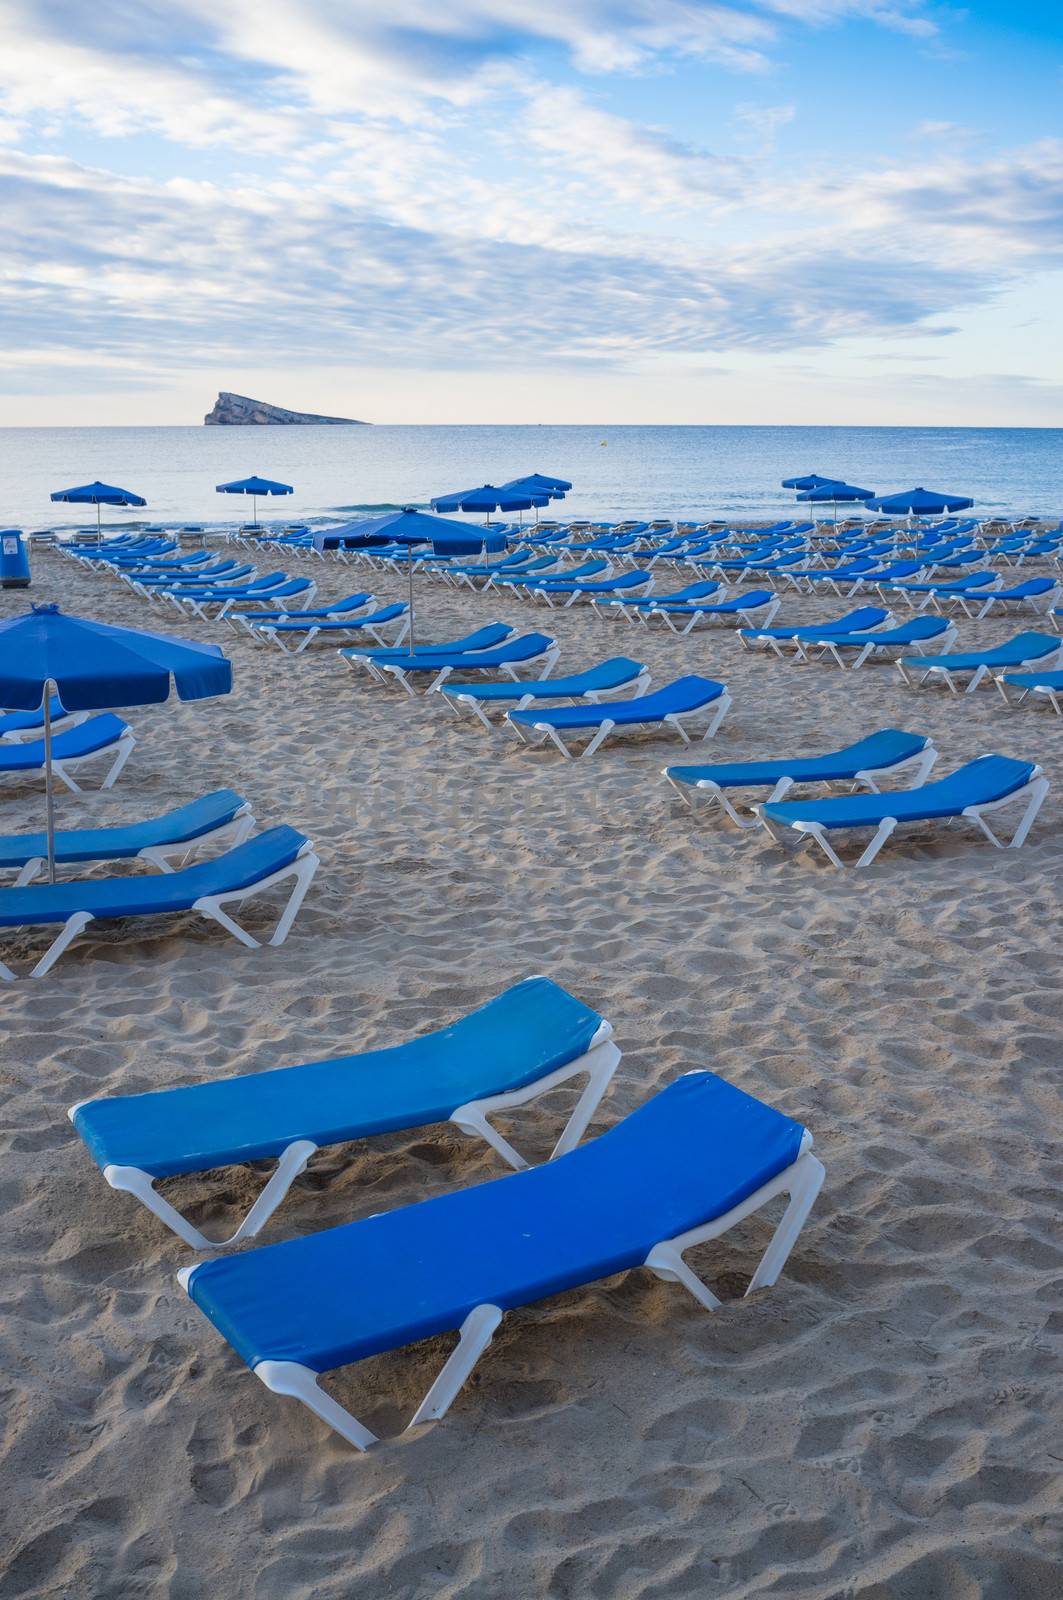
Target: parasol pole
[[409, 571], [49, 786]]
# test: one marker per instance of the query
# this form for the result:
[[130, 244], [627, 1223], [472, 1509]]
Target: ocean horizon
[[616, 471]]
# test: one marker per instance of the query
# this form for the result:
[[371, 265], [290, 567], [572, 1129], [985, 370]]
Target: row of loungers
[[703, 1154], [687, 704], [250, 866], [980, 788]]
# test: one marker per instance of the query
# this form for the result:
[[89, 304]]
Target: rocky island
[[237, 411]]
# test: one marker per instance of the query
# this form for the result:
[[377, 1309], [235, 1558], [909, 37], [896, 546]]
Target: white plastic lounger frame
[[302, 869], [791, 648], [1032, 794], [1014, 694], [836, 648], [391, 672], [598, 1063], [800, 1182], [942, 673], [469, 703], [714, 794], [542, 732], [682, 622], [60, 723], [120, 750], [392, 639], [167, 857]]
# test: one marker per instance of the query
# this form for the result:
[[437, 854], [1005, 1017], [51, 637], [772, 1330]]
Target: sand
[[885, 1422]]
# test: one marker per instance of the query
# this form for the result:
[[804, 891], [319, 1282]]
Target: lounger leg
[[881, 834], [1035, 793], [69, 932], [475, 1335], [806, 1181], [599, 738], [302, 870], [599, 1064], [801, 1181], [133, 1180], [122, 755], [291, 1378]]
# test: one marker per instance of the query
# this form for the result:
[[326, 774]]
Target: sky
[[621, 211]]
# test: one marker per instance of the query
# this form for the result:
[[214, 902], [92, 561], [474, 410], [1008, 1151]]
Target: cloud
[[142, 272], [197, 70]]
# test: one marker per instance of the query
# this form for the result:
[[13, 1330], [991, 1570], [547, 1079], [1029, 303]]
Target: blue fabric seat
[[528, 1031], [616, 673], [1014, 653], [530, 647], [494, 633], [861, 620], [268, 858], [515, 1048], [886, 641], [888, 750], [184, 826], [691, 1153], [677, 1170], [981, 785], [683, 698], [338, 608], [104, 734]]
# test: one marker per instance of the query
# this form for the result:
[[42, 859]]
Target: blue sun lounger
[[681, 618], [525, 1043], [1036, 594], [18, 726], [976, 664], [630, 607], [250, 620], [223, 817], [883, 754], [524, 581], [470, 574], [921, 595], [691, 699], [1016, 686], [539, 648], [269, 594], [167, 588], [688, 1165], [982, 786], [302, 631], [249, 869], [887, 644], [596, 684], [102, 735], [567, 591], [192, 599], [486, 638], [864, 619]]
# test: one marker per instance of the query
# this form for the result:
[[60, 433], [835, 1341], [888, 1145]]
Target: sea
[[339, 473]]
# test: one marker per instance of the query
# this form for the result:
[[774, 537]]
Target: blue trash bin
[[14, 560]]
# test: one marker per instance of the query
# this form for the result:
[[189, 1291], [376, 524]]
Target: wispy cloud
[[490, 184]]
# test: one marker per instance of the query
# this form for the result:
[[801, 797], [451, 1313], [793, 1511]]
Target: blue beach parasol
[[836, 494], [254, 487], [98, 494], [411, 527], [91, 666], [812, 481], [489, 497], [920, 503], [540, 483]]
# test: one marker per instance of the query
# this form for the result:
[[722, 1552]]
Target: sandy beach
[[884, 1424]]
